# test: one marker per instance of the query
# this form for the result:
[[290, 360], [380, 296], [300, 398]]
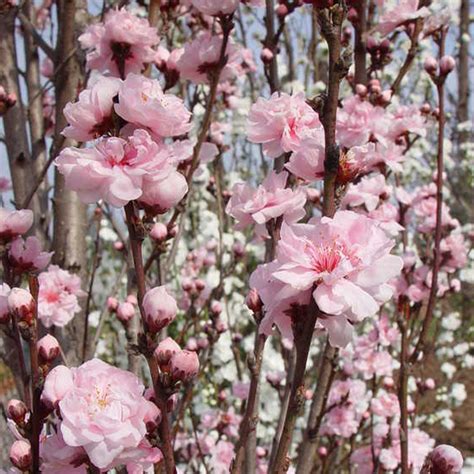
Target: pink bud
[[200, 284], [388, 382], [165, 350], [132, 299], [184, 365], [57, 384], [202, 343], [191, 345], [160, 308], [21, 305], [253, 301], [352, 15], [216, 307], [112, 303], [446, 65], [431, 66], [266, 55], [4, 309], [152, 417], [261, 452], [20, 455], [322, 451], [118, 245], [125, 312], [430, 384], [48, 349], [446, 459], [16, 411], [361, 90], [281, 10], [425, 108], [238, 249], [159, 232]]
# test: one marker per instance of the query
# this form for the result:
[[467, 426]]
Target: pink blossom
[[91, 116], [345, 263], [159, 194], [385, 404], [26, 255], [367, 192], [407, 119], [115, 169], [213, 8], [307, 162], [58, 296], [122, 38], [359, 120], [143, 103], [60, 458], [281, 122], [14, 223], [222, 456], [405, 11], [388, 216], [201, 57], [103, 412], [269, 201]]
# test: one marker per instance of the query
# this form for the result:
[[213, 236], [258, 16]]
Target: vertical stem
[[36, 420], [136, 233], [360, 51], [403, 388], [439, 208], [273, 77]]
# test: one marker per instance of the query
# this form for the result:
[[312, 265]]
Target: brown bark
[[14, 121], [70, 217]]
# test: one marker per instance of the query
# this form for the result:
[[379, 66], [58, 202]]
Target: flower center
[[324, 257]]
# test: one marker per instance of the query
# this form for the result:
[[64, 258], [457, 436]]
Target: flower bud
[[266, 55], [361, 90], [253, 301], [132, 299], [431, 66], [216, 307], [20, 454], [200, 284], [192, 344], [281, 10], [118, 245], [125, 312], [165, 350], [446, 65], [16, 411], [57, 384], [445, 459], [159, 232], [112, 304], [160, 308], [48, 349], [322, 451], [429, 384], [21, 305], [4, 309], [152, 417], [184, 365]]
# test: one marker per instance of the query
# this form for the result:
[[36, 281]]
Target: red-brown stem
[[307, 452], [360, 50], [403, 386], [249, 421], [439, 207], [331, 27], [36, 419], [136, 233]]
